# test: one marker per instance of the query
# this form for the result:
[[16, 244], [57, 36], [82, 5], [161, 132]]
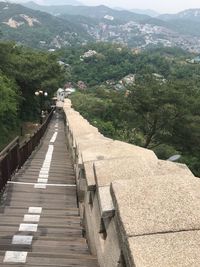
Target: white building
[[89, 53], [60, 94]]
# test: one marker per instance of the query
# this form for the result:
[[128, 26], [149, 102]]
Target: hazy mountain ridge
[[185, 22], [63, 2], [97, 12], [80, 24], [38, 29], [188, 14], [148, 12]]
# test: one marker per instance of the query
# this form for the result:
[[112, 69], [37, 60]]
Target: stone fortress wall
[[137, 210]]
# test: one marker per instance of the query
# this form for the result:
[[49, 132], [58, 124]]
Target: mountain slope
[[148, 12], [185, 22], [97, 12], [38, 29], [62, 2], [188, 14], [73, 25]]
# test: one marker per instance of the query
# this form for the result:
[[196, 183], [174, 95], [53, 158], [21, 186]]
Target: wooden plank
[[58, 240]]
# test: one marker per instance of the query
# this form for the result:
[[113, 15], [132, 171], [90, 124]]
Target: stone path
[[39, 218]]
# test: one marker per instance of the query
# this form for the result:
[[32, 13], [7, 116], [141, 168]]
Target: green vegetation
[[160, 111], [22, 72], [112, 62], [44, 31]]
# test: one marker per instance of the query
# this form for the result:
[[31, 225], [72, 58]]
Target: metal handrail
[[15, 154]]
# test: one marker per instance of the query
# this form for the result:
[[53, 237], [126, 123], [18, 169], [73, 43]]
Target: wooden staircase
[[39, 217]]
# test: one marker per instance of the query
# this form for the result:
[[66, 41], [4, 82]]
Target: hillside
[[98, 12], [38, 29], [188, 14], [148, 12], [185, 22], [58, 26]]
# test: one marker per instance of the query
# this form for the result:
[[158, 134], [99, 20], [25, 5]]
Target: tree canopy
[[22, 72], [160, 111]]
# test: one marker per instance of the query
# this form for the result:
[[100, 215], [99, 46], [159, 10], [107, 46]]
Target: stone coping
[[180, 249], [156, 204], [103, 172], [105, 202], [110, 170], [89, 175], [59, 104], [116, 149], [96, 175], [67, 104]]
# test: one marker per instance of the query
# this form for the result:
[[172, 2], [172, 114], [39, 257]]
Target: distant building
[[128, 80], [43, 42], [81, 85], [63, 64], [159, 78], [195, 60], [88, 54], [136, 51], [69, 91], [68, 85], [119, 87], [110, 82], [60, 94], [109, 17], [52, 50]]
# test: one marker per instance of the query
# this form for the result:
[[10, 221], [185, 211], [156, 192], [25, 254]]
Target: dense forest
[[159, 111], [23, 72]]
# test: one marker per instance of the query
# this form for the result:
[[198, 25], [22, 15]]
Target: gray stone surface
[[89, 175], [67, 104], [116, 149], [165, 167], [90, 140], [79, 127], [110, 170], [166, 250], [156, 204], [114, 168], [105, 202], [59, 104]]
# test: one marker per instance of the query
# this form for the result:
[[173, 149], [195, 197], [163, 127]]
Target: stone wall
[[136, 210]]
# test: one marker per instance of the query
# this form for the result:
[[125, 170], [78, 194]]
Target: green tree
[[9, 100]]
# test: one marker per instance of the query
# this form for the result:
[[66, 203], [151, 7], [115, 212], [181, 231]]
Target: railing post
[[13, 156], [18, 154]]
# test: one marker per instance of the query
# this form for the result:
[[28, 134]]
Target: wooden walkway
[[39, 218]]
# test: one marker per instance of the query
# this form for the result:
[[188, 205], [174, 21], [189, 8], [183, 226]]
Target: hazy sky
[[162, 6], [165, 6]]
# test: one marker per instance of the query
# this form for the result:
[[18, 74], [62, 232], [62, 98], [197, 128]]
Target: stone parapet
[[137, 210]]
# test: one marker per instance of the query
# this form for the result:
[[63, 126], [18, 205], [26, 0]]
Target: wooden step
[[55, 238]]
